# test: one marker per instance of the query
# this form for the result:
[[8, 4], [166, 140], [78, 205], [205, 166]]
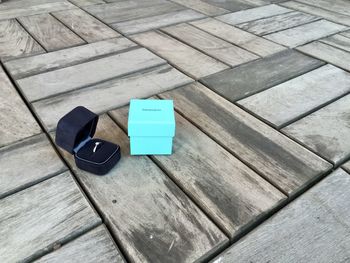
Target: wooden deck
[[261, 164]]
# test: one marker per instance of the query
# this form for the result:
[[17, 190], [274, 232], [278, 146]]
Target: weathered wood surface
[[84, 25], [338, 41], [246, 40], [82, 3], [94, 246], [202, 7], [38, 219], [26, 163], [15, 41], [66, 79], [209, 44], [115, 93], [235, 5], [256, 76], [33, 65], [151, 217], [300, 35], [277, 158], [313, 228], [289, 101], [16, 122], [183, 56], [49, 32], [346, 34], [346, 166], [326, 131], [233, 195], [337, 6]]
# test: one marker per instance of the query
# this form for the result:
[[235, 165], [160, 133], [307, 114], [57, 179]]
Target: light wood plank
[[49, 32], [313, 228], [151, 217], [202, 7], [94, 246], [337, 6], [209, 44], [326, 131], [35, 220], [289, 101], [84, 25], [186, 58], [277, 158], [66, 79], [338, 41], [82, 3], [256, 76]]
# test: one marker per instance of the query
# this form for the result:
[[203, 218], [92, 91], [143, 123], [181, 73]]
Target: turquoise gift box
[[151, 126]]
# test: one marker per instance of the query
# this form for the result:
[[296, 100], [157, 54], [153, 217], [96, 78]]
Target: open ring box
[[74, 134]]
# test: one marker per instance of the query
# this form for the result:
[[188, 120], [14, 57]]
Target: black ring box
[[74, 134]]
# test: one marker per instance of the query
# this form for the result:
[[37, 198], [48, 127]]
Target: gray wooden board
[[209, 44], [326, 131], [337, 41], [82, 3], [338, 6], [234, 5], [289, 101], [183, 56], [26, 163], [152, 219], [246, 40], [346, 34], [256, 76], [202, 7], [277, 158], [16, 120], [111, 94], [66, 79], [233, 195], [15, 41], [39, 218], [300, 35], [92, 247], [86, 26], [313, 228], [25, 67], [346, 166]]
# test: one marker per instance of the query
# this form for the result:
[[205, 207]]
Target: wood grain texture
[[277, 158], [235, 5], [211, 45], [186, 58], [256, 76], [70, 78], [313, 228], [246, 40], [35, 220], [338, 41], [231, 194], [84, 25], [115, 93], [82, 3], [15, 41], [33, 65], [346, 34], [153, 220], [26, 163], [94, 246], [289, 101], [337, 6], [326, 131], [202, 7]]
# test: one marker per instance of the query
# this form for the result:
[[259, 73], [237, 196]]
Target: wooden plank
[[66, 79], [210, 45], [94, 246], [300, 35], [115, 93], [310, 229], [346, 34], [186, 58], [26, 163], [338, 41], [256, 76], [153, 220], [86, 26], [16, 42], [82, 3], [248, 41], [346, 166], [277, 158], [235, 5], [202, 7], [40, 218], [325, 131], [338, 6], [28, 66], [295, 98]]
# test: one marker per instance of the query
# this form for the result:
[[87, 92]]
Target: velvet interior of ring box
[[74, 134]]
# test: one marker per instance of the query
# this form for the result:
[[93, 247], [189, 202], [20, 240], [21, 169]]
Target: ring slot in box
[[74, 134]]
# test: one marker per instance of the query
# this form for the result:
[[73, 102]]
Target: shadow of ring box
[[74, 134]]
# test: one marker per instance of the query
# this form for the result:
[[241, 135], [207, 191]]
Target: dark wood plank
[[202, 7]]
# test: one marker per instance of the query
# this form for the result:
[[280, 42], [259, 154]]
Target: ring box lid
[[76, 128], [151, 118]]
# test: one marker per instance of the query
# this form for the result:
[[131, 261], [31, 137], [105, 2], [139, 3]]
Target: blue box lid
[[151, 118]]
